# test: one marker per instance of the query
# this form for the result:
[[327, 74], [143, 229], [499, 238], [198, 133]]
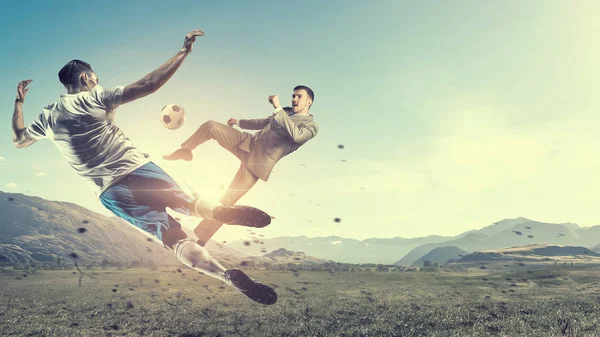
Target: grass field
[[546, 301]]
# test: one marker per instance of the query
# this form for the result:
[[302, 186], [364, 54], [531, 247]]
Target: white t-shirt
[[81, 126]]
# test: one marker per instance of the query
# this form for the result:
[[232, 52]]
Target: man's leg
[[242, 182], [141, 199], [228, 137], [142, 211]]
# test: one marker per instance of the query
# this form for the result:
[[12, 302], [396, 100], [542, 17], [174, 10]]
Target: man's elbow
[[304, 137], [23, 142], [301, 140], [148, 87], [20, 145], [152, 87]]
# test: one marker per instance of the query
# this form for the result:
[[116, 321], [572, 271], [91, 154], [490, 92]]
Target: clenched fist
[[274, 99], [188, 43], [232, 121]]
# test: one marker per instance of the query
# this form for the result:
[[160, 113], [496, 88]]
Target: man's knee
[[210, 125], [211, 128]]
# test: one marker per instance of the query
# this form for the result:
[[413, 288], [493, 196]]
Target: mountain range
[[406, 252], [40, 230]]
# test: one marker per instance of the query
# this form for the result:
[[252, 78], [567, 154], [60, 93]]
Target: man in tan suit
[[280, 134]]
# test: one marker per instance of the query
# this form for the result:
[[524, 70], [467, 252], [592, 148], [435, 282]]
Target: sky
[[453, 115]]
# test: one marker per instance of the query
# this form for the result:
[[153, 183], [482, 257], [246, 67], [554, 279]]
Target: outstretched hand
[[188, 43], [22, 90], [232, 121]]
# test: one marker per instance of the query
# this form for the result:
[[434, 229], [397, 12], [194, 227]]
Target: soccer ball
[[172, 116]]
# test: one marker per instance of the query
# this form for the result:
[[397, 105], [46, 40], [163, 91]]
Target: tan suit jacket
[[279, 136]]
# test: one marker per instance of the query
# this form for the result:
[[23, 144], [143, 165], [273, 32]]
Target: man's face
[[300, 101]]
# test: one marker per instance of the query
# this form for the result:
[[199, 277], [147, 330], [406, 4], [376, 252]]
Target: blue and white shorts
[[141, 198]]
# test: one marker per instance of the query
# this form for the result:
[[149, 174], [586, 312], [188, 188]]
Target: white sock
[[197, 257], [204, 208]]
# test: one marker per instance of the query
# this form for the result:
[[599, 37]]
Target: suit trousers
[[230, 139]]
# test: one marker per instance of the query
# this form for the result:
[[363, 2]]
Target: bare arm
[[156, 79], [18, 126]]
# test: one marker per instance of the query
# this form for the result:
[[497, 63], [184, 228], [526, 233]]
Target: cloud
[[11, 185], [2, 158], [38, 170], [336, 242]]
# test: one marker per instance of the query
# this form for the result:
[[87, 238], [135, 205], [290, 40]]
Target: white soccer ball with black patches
[[172, 116]]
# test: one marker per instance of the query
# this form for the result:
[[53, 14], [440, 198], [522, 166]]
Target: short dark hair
[[308, 90], [69, 74]]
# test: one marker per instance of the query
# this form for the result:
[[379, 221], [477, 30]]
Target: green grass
[[546, 301]]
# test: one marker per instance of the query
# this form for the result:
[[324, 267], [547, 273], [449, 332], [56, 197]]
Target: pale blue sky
[[453, 114]]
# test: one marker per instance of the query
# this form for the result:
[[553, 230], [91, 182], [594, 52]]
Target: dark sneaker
[[241, 215], [180, 154], [254, 290]]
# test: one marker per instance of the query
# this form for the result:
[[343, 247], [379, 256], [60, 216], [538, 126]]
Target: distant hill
[[406, 252], [441, 255], [35, 229], [283, 255], [383, 251], [511, 233], [502, 225], [530, 253], [43, 230], [469, 243]]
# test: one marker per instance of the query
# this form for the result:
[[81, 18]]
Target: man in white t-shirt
[[127, 182]]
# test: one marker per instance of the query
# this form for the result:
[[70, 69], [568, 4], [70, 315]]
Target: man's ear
[[83, 77]]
